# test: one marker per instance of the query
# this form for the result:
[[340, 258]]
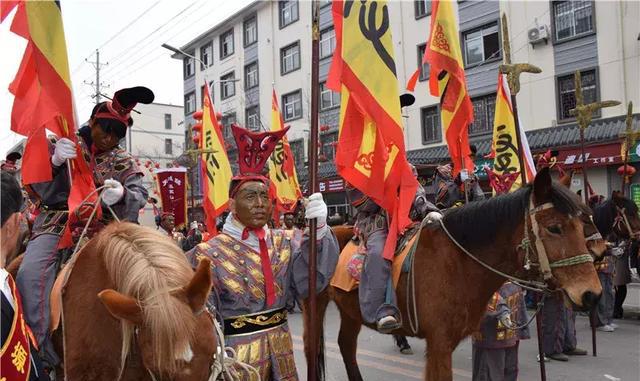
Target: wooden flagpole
[[583, 114], [312, 366], [513, 72]]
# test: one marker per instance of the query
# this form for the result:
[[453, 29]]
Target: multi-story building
[[267, 45], [157, 135]]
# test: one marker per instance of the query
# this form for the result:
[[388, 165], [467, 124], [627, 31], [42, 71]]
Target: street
[[379, 359]]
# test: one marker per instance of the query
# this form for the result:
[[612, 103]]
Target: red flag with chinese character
[[370, 154], [447, 80], [172, 184]]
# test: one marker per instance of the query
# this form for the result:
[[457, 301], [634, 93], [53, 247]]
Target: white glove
[[617, 251], [194, 225], [316, 208], [634, 274], [65, 149], [506, 321], [433, 217], [113, 192]]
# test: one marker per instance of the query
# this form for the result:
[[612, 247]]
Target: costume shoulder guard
[[117, 164]]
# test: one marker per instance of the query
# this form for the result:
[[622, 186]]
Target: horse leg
[[348, 343], [439, 365], [322, 300]]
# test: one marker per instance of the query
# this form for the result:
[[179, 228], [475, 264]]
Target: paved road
[[618, 354]]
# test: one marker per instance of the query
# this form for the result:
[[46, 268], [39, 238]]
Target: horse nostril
[[590, 299]]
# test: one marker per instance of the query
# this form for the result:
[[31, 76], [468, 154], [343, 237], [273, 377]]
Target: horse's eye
[[554, 229]]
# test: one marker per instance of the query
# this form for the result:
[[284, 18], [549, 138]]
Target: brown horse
[[133, 309], [452, 290]]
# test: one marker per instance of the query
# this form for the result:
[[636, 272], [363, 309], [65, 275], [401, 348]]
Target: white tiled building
[[267, 45]]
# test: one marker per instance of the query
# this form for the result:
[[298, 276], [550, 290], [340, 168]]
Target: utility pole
[[96, 85]]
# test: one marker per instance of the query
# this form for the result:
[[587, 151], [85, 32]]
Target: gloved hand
[[193, 225], [113, 192], [434, 217], [506, 321], [65, 149], [617, 251], [316, 208]]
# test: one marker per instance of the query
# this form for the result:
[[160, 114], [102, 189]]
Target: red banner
[[596, 156], [173, 192]]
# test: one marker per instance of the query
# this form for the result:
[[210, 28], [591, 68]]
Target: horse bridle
[[621, 218], [543, 260]]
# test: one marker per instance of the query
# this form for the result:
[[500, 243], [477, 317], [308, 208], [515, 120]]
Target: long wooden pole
[[312, 366], [513, 72]]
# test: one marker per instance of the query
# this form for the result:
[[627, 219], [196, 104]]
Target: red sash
[[15, 356]]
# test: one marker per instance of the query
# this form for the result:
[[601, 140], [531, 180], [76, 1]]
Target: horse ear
[[542, 185], [198, 289], [121, 306]]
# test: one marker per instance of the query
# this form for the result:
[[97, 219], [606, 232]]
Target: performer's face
[[168, 223], [289, 221], [251, 205], [103, 140]]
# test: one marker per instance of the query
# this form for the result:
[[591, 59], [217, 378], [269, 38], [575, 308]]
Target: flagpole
[[513, 72], [583, 114], [629, 139], [312, 365]]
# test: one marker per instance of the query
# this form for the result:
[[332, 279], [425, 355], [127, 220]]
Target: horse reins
[[620, 218]]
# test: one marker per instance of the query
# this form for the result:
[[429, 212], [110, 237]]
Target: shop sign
[[335, 185], [478, 169], [634, 152], [635, 193], [595, 156]]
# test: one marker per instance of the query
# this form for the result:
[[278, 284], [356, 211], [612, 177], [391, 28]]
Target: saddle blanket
[[344, 279]]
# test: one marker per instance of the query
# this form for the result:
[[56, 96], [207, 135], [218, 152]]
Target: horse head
[[560, 237], [167, 321], [627, 220]]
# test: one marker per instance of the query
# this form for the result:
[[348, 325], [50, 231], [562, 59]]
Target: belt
[[60, 207], [252, 323]]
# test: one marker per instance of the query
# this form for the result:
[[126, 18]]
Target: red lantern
[[626, 170], [197, 127], [218, 116], [197, 115], [324, 128], [196, 140], [157, 165]]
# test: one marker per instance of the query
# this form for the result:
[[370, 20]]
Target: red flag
[[411, 84], [370, 153], [172, 184], [447, 80]]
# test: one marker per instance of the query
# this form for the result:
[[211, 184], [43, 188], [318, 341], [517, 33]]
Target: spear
[[513, 72], [312, 366], [630, 138], [583, 114]]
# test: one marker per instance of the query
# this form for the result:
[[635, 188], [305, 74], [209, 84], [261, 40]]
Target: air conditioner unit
[[538, 34]]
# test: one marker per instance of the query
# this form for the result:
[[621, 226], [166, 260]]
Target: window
[[250, 27], [167, 121], [168, 147], [424, 67], [481, 44], [189, 67], [226, 44], [252, 118], [290, 58], [297, 151], [483, 111], [251, 75], [327, 42], [227, 85], [567, 92], [422, 8], [328, 98], [430, 119], [288, 12], [328, 146], [292, 104], [227, 120], [572, 19], [189, 103], [206, 55]]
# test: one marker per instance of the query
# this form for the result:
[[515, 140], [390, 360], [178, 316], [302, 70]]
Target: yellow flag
[[216, 169], [282, 170]]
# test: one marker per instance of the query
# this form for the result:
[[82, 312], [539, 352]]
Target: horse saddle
[[351, 261]]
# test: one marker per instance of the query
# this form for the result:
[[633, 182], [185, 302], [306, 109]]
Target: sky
[[128, 35]]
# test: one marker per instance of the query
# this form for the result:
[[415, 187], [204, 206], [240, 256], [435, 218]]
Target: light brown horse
[[133, 309], [452, 290]]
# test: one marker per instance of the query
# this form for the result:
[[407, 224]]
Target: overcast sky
[[134, 54]]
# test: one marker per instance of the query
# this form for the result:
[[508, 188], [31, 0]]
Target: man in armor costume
[[495, 345], [256, 270], [168, 228], [112, 166]]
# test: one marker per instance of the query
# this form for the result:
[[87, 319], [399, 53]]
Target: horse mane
[[477, 224], [147, 266]]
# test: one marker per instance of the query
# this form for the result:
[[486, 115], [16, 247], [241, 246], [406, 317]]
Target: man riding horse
[[112, 167], [256, 269]]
